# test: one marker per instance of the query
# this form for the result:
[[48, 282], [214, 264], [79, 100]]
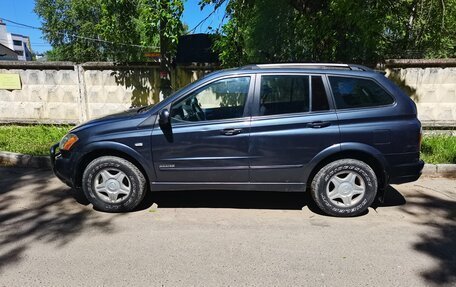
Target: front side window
[[222, 99], [358, 93]]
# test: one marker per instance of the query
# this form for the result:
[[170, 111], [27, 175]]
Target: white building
[[18, 43]]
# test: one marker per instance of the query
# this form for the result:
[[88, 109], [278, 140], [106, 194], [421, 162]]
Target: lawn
[[31, 139], [439, 149], [36, 140]]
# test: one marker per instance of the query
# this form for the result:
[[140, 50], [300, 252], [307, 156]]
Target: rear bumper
[[61, 166], [405, 172]]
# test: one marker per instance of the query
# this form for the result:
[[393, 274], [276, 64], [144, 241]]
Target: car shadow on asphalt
[[248, 200], [438, 214], [33, 209]]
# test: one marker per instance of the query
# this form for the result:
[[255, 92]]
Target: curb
[[11, 159], [440, 170]]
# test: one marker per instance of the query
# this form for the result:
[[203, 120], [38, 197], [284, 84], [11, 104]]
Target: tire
[[113, 184], [345, 187]]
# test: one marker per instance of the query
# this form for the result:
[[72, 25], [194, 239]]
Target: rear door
[[293, 121]]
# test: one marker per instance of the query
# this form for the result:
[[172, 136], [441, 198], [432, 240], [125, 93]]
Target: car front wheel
[[345, 187], [113, 184]]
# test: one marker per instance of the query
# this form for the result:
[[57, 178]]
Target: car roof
[[311, 68]]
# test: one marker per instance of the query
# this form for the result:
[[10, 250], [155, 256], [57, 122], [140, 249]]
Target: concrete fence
[[64, 92], [431, 83]]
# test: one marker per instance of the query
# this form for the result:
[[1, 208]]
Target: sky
[[21, 11]]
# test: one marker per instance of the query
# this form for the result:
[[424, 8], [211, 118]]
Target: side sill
[[247, 186]]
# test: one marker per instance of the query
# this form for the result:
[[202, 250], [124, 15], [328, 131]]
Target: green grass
[[37, 139], [30, 139], [439, 149]]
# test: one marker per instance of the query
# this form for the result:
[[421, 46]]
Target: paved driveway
[[219, 238]]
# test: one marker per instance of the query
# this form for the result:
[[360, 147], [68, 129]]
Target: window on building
[[17, 43], [20, 53]]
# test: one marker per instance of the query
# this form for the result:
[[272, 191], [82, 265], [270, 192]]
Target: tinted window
[[319, 97], [17, 43], [356, 93], [282, 94], [223, 99]]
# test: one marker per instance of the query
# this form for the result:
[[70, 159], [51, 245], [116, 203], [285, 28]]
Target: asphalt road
[[47, 237]]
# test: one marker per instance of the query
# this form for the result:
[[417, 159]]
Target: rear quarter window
[[358, 93]]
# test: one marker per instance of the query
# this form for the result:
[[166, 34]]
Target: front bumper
[[406, 172], [61, 166]]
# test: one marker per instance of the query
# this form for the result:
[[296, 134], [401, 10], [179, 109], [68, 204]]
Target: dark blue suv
[[343, 132]]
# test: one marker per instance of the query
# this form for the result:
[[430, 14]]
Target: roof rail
[[308, 66]]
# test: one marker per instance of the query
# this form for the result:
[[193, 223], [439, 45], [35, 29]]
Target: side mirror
[[163, 117]]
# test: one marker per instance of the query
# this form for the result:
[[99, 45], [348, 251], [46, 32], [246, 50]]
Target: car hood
[[106, 119]]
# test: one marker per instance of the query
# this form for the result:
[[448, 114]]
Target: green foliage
[[262, 31], [439, 149], [125, 29], [30, 139]]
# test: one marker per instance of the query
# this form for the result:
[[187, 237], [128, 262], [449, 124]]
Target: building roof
[[6, 54]]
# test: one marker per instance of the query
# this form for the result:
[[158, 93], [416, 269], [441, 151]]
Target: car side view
[[342, 132]]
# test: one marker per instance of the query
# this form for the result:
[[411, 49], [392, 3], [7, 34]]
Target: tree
[[335, 30], [110, 30]]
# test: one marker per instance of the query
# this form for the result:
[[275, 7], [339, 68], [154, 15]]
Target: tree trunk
[[165, 63]]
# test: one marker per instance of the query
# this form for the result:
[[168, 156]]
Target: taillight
[[420, 139]]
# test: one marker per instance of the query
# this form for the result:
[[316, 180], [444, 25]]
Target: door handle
[[231, 132], [318, 125]]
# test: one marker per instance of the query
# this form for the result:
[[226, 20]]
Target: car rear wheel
[[113, 184], [345, 187]]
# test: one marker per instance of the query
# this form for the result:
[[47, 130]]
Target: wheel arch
[[111, 149], [362, 152]]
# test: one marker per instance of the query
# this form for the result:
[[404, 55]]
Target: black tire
[[338, 171], [131, 175]]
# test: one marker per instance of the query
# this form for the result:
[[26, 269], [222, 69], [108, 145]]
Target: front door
[[293, 122], [209, 136]]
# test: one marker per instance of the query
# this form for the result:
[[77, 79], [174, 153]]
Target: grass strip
[[31, 139]]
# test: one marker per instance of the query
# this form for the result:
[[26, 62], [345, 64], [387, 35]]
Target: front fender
[[122, 148]]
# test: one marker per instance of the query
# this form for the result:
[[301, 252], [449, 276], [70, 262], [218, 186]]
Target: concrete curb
[[12, 159], [440, 170]]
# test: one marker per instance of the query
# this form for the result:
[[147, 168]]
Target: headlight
[[68, 141]]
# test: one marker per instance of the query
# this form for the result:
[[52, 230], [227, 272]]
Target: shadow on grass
[[35, 209]]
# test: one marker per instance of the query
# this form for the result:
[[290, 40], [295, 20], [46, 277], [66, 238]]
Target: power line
[[207, 17], [79, 37]]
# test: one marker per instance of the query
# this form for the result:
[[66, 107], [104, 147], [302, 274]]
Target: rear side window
[[285, 94], [358, 93], [319, 97]]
